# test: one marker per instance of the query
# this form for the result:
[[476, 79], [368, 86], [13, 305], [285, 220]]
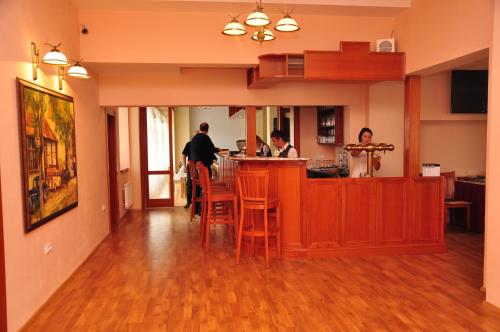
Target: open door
[[3, 293], [114, 213], [157, 180]]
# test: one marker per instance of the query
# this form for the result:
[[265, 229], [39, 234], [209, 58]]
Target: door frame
[[111, 147], [143, 129], [3, 290]]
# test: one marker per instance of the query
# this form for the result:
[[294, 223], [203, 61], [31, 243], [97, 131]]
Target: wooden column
[[296, 128], [412, 126], [3, 295], [251, 124]]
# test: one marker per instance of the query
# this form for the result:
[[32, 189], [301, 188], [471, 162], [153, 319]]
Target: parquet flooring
[[152, 275]]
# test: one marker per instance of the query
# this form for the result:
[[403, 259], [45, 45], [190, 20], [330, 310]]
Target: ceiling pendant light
[[257, 18], [77, 70], [234, 28], [55, 57], [263, 34], [287, 24]]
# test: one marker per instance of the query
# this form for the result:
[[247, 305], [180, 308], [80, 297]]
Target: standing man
[[189, 184], [202, 148], [281, 142]]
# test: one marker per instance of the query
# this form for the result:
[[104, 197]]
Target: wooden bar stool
[[195, 183], [253, 189], [219, 206]]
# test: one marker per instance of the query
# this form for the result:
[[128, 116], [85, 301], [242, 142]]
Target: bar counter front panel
[[331, 217]]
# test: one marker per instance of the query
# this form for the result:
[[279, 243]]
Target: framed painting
[[48, 153]]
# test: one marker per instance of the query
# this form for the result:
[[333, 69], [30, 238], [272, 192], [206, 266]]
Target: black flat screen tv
[[469, 91]]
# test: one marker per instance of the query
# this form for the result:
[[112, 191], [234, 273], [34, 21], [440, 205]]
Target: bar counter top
[[266, 159]]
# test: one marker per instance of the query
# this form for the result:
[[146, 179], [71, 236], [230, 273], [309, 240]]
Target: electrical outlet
[[47, 248]]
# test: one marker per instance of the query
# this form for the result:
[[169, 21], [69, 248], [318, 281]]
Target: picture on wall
[[48, 153]]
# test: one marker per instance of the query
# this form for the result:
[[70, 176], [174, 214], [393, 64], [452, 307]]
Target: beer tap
[[370, 148]]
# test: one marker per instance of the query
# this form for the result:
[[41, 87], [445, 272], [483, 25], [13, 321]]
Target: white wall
[[223, 131]]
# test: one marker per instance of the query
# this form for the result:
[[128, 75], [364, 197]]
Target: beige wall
[[31, 275], [386, 120], [492, 245], [458, 146], [433, 32], [182, 133], [436, 99], [455, 141], [176, 42]]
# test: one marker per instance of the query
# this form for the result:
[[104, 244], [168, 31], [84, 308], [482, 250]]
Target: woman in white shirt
[[359, 157]]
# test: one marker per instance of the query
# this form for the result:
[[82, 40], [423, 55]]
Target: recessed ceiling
[[381, 8]]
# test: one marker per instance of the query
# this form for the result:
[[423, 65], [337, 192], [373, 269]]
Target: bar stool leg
[[252, 219], [240, 231], [207, 226], [235, 218]]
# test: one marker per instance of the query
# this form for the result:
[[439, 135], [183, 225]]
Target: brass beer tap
[[370, 148]]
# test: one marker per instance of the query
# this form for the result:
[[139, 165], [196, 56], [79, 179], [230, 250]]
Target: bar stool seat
[[253, 189]]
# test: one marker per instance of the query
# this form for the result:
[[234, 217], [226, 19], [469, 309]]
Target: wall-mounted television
[[469, 91]]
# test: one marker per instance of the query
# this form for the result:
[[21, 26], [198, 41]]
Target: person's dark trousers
[[189, 188], [197, 209]]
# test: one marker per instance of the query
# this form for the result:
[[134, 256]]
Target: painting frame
[[47, 140]]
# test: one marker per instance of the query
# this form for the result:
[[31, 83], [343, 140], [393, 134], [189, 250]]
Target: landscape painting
[[48, 153]]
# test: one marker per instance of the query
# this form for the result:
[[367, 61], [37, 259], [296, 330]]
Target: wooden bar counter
[[345, 217]]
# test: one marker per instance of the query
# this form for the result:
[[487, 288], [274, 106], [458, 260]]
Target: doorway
[[3, 295], [112, 169], [155, 125]]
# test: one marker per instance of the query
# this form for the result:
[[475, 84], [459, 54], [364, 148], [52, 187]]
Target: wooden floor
[[152, 276]]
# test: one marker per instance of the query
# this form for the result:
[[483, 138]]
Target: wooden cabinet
[[474, 193], [330, 125]]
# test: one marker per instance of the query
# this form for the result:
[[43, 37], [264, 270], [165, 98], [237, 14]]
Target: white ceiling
[[335, 7]]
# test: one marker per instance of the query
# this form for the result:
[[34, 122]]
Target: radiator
[[128, 195]]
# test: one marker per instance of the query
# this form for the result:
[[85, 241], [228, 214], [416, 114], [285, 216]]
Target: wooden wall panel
[[412, 126], [323, 213], [289, 193], [359, 206], [251, 123], [392, 199], [427, 209]]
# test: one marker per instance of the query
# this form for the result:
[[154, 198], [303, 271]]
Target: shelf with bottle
[[325, 139]]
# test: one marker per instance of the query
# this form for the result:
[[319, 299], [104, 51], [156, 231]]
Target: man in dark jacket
[[202, 148]]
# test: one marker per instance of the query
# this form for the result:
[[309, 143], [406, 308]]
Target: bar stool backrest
[[203, 179], [253, 186], [193, 172], [449, 185]]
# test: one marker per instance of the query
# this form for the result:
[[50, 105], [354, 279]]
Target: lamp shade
[[78, 71], [287, 24], [234, 28], [55, 57], [257, 18], [263, 34]]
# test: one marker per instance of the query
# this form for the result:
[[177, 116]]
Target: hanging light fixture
[[263, 34], [260, 21], [234, 28], [257, 18], [77, 70], [55, 57], [287, 24]]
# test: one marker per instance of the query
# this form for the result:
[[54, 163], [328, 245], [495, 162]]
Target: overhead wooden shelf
[[354, 62]]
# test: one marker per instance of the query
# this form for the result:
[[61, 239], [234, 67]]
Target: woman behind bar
[[359, 157]]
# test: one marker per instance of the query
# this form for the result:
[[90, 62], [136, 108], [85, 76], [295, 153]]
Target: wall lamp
[[56, 58]]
